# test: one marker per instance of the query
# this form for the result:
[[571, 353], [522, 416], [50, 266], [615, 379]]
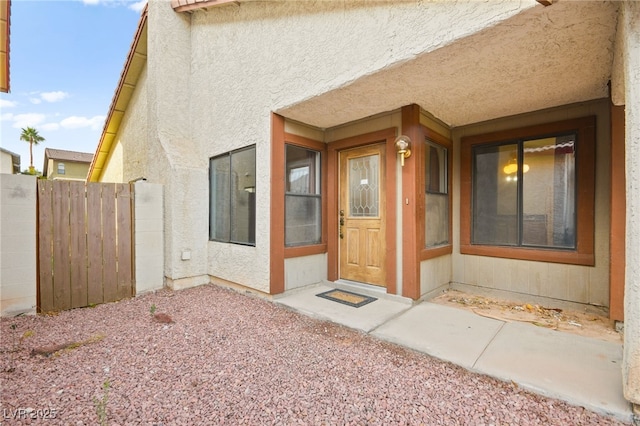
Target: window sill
[[533, 254], [301, 251], [433, 252]]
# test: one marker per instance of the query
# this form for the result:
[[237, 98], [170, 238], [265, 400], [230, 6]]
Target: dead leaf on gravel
[[163, 318], [47, 351]]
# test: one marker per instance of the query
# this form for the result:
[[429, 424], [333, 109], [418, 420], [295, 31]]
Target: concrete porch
[[579, 370]]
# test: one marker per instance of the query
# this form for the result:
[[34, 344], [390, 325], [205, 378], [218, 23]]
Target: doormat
[[347, 298]]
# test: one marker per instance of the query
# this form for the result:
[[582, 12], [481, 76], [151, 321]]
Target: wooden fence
[[85, 244]]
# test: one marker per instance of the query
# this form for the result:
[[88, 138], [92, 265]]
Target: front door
[[362, 215]]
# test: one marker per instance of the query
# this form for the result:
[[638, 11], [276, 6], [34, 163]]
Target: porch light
[[402, 146]]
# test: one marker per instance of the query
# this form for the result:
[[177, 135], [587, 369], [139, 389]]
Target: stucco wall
[[114, 167], [281, 62], [17, 244], [631, 51], [581, 284], [133, 129]]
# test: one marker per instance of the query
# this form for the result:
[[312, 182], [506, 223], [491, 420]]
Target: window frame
[[61, 166], [317, 181], [583, 254], [427, 253], [255, 162], [321, 147]]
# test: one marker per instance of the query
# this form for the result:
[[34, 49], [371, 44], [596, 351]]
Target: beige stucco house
[[9, 162], [407, 145], [66, 165]]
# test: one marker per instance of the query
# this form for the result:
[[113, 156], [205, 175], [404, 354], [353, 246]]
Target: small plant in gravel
[[16, 346], [101, 404], [160, 316], [12, 351]]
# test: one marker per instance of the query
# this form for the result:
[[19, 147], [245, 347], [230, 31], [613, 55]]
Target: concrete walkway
[[579, 370]]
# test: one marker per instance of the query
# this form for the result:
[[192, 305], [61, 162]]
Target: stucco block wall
[[149, 236], [17, 244], [581, 284]]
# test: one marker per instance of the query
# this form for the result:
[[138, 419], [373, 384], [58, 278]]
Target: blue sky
[[66, 59]]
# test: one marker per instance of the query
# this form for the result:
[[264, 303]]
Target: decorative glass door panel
[[364, 187]]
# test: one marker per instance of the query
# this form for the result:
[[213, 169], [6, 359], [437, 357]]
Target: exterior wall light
[[403, 143]]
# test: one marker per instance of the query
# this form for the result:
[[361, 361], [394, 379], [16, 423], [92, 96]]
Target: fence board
[[85, 244], [45, 245], [124, 227], [61, 270], [94, 243], [109, 252], [78, 247]]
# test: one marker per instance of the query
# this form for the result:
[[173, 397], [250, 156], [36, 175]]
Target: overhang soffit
[[542, 57]]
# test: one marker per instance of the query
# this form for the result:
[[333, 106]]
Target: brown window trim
[[585, 175], [301, 141], [433, 252]]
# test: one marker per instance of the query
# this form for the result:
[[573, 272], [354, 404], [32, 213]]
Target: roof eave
[[5, 46], [136, 53]]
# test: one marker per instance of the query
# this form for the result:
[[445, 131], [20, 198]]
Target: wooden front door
[[362, 216]]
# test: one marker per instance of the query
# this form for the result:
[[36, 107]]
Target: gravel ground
[[229, 358]]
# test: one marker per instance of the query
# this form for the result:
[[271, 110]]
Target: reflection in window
[[303, 200], [437, 196], [524, 193], [232, 182]]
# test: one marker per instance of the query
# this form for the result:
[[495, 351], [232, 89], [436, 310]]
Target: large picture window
[[524, 193], [303, 200], [529, 193], [232, 189]]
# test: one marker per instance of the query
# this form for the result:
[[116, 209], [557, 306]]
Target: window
[[232, 188], [529, 193], [437, 195], [60, 168], [303, 200]]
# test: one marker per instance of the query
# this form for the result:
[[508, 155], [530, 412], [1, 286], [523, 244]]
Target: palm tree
[[30, 134]]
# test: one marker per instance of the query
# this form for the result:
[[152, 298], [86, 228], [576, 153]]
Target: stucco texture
[[286, 53], [631, 366]]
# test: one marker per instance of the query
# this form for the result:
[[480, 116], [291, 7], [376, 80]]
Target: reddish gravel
[[229, 358]]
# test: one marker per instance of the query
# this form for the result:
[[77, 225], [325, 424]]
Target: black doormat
[[347, 298]]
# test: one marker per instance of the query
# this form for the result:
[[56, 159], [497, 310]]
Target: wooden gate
[[85, 244]]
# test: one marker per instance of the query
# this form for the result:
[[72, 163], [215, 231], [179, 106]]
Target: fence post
[[148, 236]]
